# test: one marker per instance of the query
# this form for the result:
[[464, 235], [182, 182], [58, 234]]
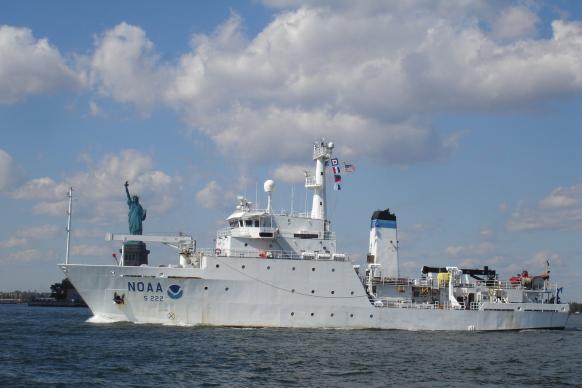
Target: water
[[56, 347]]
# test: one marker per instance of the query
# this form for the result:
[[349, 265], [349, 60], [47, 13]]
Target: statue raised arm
[[136, 214], [127, 191]]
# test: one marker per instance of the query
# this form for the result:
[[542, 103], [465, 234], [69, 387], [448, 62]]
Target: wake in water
[[100, 319]]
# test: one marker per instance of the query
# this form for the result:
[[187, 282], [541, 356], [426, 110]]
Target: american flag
[[349, 167]]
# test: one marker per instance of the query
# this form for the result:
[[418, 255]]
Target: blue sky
[[462, 118]]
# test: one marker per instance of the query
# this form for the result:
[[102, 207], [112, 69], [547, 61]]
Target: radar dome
[[330, 145], [269, 186]]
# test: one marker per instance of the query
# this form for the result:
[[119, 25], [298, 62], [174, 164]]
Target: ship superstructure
[[282, 269], [266, 233]]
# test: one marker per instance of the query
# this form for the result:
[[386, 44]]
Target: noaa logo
[[175, 291]]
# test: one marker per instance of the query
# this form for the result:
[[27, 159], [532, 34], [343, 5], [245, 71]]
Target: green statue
[[136, 214]]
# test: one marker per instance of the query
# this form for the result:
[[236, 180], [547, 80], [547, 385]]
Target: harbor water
[[50, 346]]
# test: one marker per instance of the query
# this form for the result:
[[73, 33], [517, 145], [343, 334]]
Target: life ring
[[217, 251], [263, 254]]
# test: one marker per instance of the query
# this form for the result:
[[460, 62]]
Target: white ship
[[282, 269]]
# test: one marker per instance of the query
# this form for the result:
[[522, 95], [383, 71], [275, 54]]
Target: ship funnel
[[384, 242], [269, 186]]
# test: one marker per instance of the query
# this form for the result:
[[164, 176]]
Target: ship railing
[[272, 254], [319, 151], [492, 284], [329, 235], [377, 280], [310, 181], [407, 304], [225, 232], [500, 284]]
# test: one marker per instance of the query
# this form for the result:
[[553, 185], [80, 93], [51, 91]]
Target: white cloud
[[515, 22], [210, 196], [12, 242], [38, 232], [23, 236], [41, 188], [88, 233], [95, 110], [291, 173], [470, 251], [368, 75], [563, 197], [28, 255], [7, 173], [125, 67], [560, 210], [539, 259], [99, 191], [85, 250], [30, 66], [487, 233], [414, 233]]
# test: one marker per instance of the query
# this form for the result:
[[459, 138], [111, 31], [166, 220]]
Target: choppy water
[[56, 347]]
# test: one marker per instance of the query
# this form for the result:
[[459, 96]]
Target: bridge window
[[256, 223], [305, 235], [249, 223]]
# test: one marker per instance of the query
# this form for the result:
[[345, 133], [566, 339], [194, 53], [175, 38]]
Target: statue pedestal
[[135, 253]]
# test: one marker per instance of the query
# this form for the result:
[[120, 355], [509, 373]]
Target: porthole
[[313, 291], [292, 313], [206, 287], [246, 244], [292, 290], [217, 265], [226, 289], [268, 267], [333, 292], [313, 269], [333, 270], [351, 315], [352, 293], [312, 314], [371, 315], [293, 269], [331, 315], [243, 266]]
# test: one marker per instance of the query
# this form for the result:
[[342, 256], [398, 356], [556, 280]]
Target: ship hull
[[278, 293]]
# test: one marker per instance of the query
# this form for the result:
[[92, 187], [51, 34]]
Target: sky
[[461, 117]]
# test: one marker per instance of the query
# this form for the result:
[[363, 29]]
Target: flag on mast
[[349, 167]]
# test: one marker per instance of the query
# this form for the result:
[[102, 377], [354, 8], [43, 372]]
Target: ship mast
[[321, 154], [69, 212]]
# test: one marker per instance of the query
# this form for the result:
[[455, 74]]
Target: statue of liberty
[[136, 214]]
